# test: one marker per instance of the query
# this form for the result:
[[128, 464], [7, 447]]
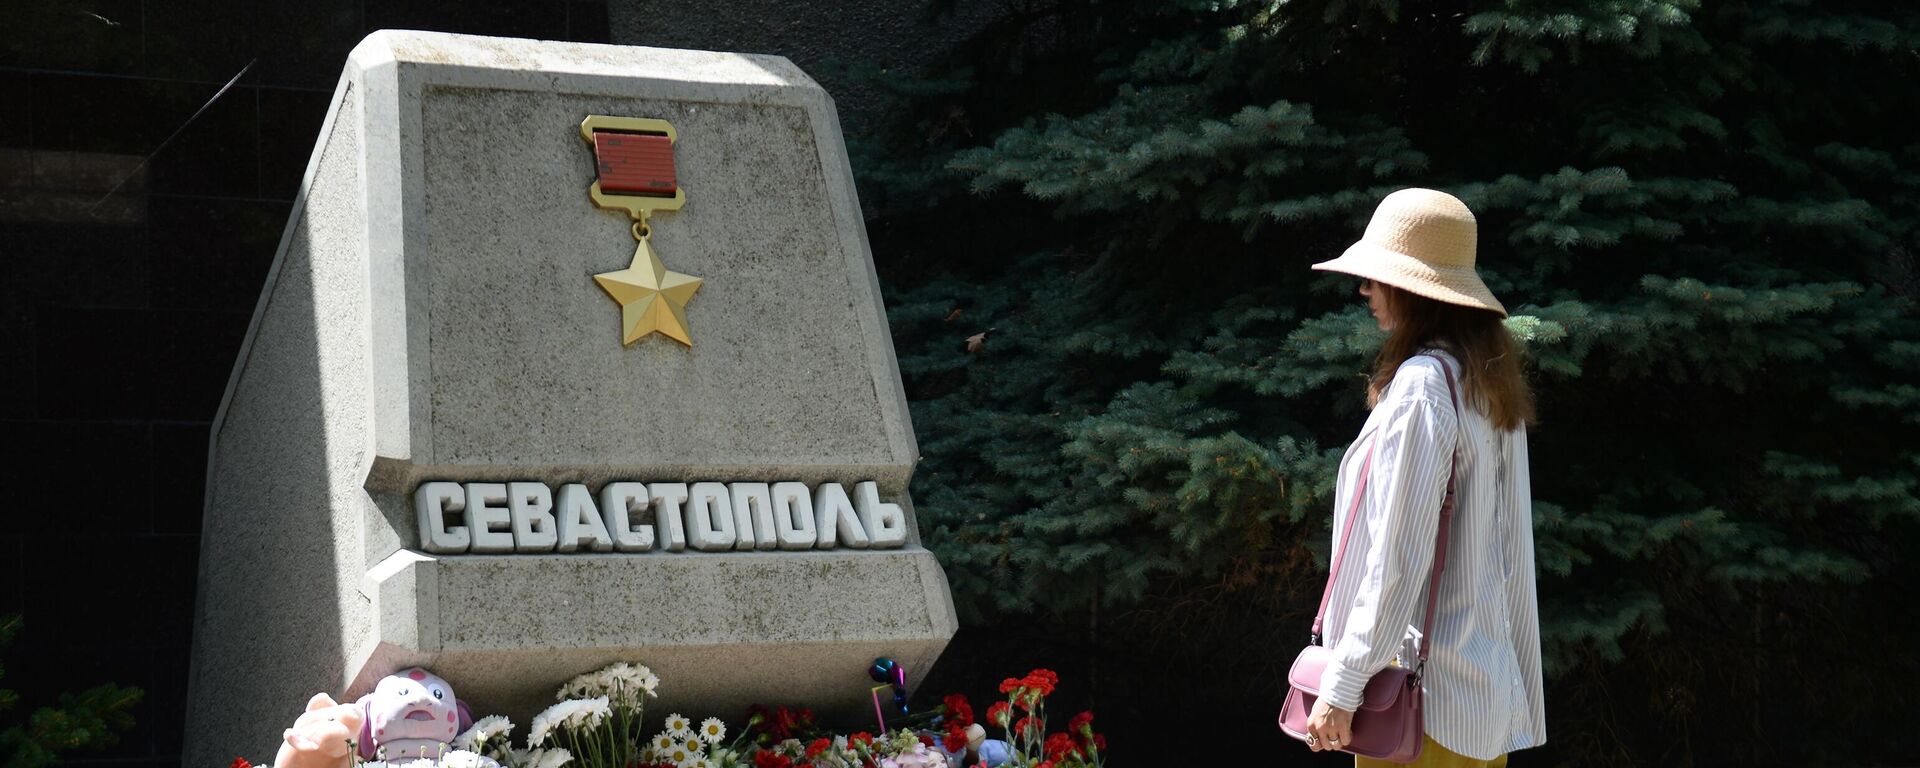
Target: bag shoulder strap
[[1440, 538]]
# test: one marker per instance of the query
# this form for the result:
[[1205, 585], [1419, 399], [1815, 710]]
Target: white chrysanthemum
[[484, 730], [661, 742], [584, 686], [677, 722], [712, 730], [461, 758], [548, 719], [634, 683], [622, 673], [552, 757], [587, 713]]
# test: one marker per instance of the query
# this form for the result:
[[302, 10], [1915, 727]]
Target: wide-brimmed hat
[[1421, 241]]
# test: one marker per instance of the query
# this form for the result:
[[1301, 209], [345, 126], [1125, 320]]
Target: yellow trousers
[[1434, 756]]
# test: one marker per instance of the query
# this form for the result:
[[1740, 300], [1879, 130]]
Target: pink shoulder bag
[[1389, 724]]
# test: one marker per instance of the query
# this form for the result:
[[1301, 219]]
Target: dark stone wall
[[134, 238], [824, 38]]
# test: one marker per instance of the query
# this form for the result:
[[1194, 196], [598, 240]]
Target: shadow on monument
[[270, 560]]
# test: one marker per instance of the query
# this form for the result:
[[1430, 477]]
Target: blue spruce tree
[[1131, 393]]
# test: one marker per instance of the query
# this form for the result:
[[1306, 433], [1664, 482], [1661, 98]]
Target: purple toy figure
[[411, 714]]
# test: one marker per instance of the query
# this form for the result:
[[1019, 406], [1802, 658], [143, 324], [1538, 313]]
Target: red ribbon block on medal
[[635, 163]]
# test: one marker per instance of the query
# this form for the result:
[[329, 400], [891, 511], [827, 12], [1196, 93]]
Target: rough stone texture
[[771, 378], [432, 316]]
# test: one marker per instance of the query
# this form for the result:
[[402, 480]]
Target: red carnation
[[1042, 680], [958, 710], [818, 746], [956, 740], [1010, 684], [925, 739], [861, 739], [1060, 745], [998, 713], [771, 760], [1080, 723], [240, 762]]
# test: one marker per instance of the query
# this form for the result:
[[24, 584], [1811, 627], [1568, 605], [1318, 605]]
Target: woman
[[1482, 677]]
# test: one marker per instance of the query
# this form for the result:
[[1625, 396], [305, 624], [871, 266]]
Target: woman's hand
[[1329, 729]]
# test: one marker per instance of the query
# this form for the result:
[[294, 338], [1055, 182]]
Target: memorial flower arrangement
[[898, 749], [681, 744], [788, 738], [1023, 716], [598, 722]]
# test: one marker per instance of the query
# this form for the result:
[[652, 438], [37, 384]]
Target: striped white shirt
[[1483, 681]]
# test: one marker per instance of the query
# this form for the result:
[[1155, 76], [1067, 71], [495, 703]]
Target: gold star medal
[[633, 159]]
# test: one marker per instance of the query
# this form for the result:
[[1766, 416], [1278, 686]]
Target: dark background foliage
[[1702, 214]]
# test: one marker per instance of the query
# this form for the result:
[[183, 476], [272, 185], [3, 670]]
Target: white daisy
[[677, 722], [712, 730], [698, 762], [680, 754], [661, 743]]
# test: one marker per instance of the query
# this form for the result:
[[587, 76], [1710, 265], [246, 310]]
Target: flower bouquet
[[598, 722]]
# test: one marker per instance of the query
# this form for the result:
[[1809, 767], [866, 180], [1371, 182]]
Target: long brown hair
[[1491, 368]]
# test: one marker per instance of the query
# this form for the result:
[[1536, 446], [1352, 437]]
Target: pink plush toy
[[411, 714], [322, 737]]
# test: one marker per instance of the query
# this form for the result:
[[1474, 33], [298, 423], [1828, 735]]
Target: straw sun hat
[[1422, 241]]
